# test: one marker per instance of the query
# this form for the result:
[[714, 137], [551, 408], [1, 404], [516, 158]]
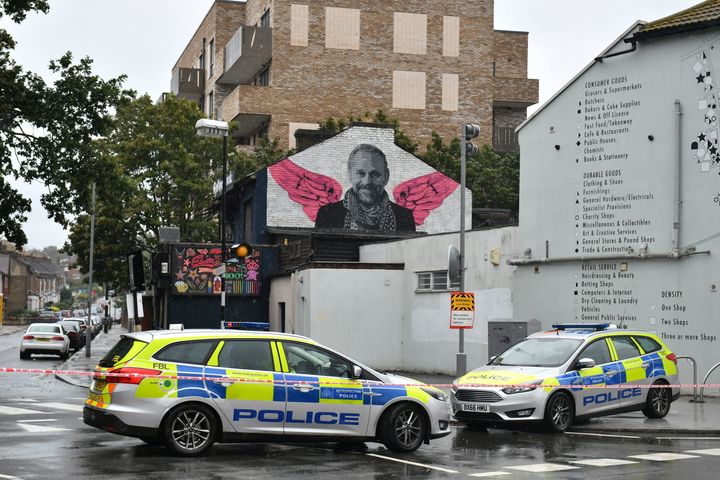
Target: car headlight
[[520, 389], [435, 393]]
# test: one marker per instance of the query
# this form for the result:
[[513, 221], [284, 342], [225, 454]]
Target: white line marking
[[489, 474], [708, 451], [62, 406], [542, 467], [601, 435], [687, 438], [9, 477], [603, 462], [21, 400], [18, 411], [446, 470], [42, 428], [37, 420], [663, 457]]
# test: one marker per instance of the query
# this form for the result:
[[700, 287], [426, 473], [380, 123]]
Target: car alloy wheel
[[658, 401], [190, 430], [404, 428], [559, 412]]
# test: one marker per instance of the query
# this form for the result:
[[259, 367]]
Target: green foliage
[[380, 116], [47, 130]]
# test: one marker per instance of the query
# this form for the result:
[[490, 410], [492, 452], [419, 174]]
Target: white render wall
[[428, 344]]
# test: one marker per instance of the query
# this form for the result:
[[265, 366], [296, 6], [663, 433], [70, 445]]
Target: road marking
[[18, 411], [542, 467], [21, 400], [9, 477], [62, 406], [601, 435], [708, 451], [602, 462], [489, 474], [663, 457], [36, 420], [42, 428], [446, 470], [687, 438]]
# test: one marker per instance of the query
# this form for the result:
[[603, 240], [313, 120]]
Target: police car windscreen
[[539, 352]]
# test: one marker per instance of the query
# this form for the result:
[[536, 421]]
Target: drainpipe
[[677, 202]]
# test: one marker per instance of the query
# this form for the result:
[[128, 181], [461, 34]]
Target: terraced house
[[276, 66]]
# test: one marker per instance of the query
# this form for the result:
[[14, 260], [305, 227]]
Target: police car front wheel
[[559, 412], [403, 428], [658, 401], [190, 429]]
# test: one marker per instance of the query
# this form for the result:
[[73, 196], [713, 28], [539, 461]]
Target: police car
[[188, 389], [571, 372]]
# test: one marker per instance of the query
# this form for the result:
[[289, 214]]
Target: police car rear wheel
[[559, 412], [658, 402], [190, 430], [404, 428]]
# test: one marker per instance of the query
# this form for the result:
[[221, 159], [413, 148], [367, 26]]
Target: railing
[[702, 389], [695, 383]]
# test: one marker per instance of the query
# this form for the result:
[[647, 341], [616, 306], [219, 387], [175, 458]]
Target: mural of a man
[[366, 205]]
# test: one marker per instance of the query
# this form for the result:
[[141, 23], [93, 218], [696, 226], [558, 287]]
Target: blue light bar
[[581, 326], [262, 326]]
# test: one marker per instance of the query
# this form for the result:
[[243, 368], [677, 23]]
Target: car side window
[[625, 347], [310, 360], [193, 352], [648, 344], [246, 355], [598, 351]]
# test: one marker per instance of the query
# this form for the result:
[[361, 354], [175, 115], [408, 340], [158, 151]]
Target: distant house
[[29, 282]]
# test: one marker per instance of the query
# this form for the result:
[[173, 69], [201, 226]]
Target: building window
[[409, 90], [435, 281], [410, 33], [299, 25], [342, 28], [450, 86], [263, 79], [265, 19], [211, 105], [212, 56], [451, 36]]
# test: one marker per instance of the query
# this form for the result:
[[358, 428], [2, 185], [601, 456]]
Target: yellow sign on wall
[[462, 309]]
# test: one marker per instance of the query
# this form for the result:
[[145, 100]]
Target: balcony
[[515, 91], [188, 83], [247, 52], [505, 140]]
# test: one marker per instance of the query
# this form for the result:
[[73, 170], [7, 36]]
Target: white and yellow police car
[[571, 372], [188, 389]]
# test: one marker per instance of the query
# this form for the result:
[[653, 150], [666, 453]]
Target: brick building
[[275, 66], [29, 282]]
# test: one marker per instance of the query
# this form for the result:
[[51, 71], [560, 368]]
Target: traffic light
[[136, 269], [470, 131]]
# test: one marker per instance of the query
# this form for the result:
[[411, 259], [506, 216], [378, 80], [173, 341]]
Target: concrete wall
[[600, 164], [428, 344]]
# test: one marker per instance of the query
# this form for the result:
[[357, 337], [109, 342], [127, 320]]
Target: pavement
[[686, 417]]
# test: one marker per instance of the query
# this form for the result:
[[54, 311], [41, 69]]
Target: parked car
[[256, 385], [573, 372], [84, 324], [45, 338], [75, 333]]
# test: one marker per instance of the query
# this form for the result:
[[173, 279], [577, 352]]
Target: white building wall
[[428, 344]]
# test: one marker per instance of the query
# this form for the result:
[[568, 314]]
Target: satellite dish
[[453, 264]]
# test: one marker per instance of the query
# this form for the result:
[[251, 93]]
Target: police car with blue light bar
[[189, 389], [572, 372]]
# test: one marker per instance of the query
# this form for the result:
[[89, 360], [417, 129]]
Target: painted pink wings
[[309, 189], [424, 194]]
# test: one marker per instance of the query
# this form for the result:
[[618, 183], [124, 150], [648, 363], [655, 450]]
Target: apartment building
[[276, 66]]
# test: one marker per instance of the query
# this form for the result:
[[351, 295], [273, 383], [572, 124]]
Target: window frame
[[630, 341], [211, 350], [266, 341], [434, 284]]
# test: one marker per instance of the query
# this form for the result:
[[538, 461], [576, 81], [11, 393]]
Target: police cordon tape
[[325, 383]]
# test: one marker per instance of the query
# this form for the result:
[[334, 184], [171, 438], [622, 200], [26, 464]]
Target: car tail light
[[672, 357], [28, 337], [58, 339], [130, 375]]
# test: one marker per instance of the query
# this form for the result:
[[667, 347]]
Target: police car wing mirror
[[356, 371], [492, 359], [585, 363]]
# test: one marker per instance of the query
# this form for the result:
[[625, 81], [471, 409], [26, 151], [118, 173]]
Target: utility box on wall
[[503, 335]]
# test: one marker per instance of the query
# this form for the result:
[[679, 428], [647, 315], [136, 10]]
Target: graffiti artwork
[[705, 145], [366, 205], [194, 272]]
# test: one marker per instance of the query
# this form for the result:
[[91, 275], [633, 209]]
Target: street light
[[216, 129]]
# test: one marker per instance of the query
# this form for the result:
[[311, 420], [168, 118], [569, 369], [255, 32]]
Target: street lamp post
[[216, 129]]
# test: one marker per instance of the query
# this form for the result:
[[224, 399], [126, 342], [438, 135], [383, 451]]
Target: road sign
[[462, 309]]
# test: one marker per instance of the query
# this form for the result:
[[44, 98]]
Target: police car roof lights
[[582, 326]]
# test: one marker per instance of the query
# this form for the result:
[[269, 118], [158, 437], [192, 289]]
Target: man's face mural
[[368, 176]]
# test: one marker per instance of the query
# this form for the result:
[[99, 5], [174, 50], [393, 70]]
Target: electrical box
[[495, 256], [504, 334]]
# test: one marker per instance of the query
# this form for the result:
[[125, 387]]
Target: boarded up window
[[410, 33], [451, 36], [450, 85], [299, 25], [342, 28], [409, 90], [292, 127]]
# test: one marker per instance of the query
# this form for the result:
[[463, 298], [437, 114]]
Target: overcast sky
[[143, 38]]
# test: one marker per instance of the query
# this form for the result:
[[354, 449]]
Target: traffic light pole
[[461, 360], [222, 229], [88, 330]]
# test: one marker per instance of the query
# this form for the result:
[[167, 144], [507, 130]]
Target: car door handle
[[612, 374], [304, 387], [222, 382], [646, 364]]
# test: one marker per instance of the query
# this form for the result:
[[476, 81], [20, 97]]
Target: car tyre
[[403, 428], [190, 430], [559, 412], [658, 401], [64, 355], [24, 356]]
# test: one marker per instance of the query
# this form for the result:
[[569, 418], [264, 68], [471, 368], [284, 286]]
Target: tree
[[158, 172], [402, 140], [46, 130]]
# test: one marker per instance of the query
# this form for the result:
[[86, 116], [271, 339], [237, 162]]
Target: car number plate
[[475, 407], [95, 398], [43, 339], [99, 385]]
